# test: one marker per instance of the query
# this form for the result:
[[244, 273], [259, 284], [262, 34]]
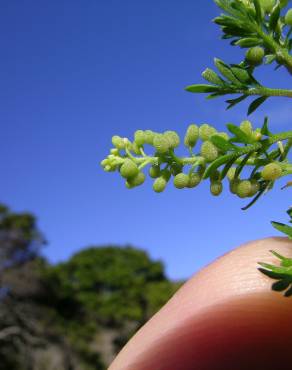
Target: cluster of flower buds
[[129, 159]]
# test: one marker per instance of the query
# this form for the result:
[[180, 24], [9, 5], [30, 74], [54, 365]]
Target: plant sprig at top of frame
[[263, 28]]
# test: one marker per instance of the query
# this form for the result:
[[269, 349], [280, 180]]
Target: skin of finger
[[225, 315]]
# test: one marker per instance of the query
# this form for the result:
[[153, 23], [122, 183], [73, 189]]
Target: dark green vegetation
[[74, 315]]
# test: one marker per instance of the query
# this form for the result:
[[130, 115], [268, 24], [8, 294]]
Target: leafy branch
[[219, 155], [236, 79]]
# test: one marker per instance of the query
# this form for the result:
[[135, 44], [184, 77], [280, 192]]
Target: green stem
[[264, 91]]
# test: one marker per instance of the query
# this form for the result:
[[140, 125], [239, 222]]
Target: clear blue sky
[[73, 73]]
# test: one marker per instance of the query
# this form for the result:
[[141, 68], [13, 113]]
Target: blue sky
[[74, 73]]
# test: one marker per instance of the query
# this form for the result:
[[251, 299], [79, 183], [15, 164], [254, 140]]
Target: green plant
[[264, 28]]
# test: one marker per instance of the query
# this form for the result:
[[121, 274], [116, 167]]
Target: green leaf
[[255, 104], [286, 229], [259, 13], [240, 135], [226, 168], [201, 88], [233, 102], [274, 17], [270, 58], [225, 70], [248, 42], [221, 143], [219, 162], [265, 130]]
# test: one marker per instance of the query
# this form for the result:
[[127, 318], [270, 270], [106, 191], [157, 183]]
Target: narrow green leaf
[[225, 70], [265, 130], [233, 102], [274, 17], [226, 168], [221, 143], [255, 104], [219, 162], [286, 229], [241, 135], [201, 88], [270, 58], [259, 13], [248, 42]]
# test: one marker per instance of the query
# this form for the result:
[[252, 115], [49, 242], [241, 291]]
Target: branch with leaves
[[251, 159]]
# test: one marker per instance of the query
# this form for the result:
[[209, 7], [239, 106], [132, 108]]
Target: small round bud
[[118, 142], [216, 188], [149, 136], [159, 185], [191, 136], [104, 162], [181, 181], [288, 17], [154, 171], [224, 135], [231, 173], [246, 127], [267, 5], [209, 151], [233, 185], [129, 169], [255, 55], [194, 180], [137, 180], [271, 172], [257, 135], [115, 151], [160, 143], [244, 188], [206, 131], [139, 137], [172, 138]]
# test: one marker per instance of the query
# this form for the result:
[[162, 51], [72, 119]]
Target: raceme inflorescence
[[246, 160]]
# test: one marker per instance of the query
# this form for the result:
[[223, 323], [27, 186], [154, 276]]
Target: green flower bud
[[209, 151], [181, 181], [159, 185], [288, 18], [191, 136], [172, 138], [129, 169], [233, 185], [231, 173], [211, 76], [206, 131], [255, 187], [194, 180], [154, 171], [149, 136], [160, 143], [257, 135], [104, 162], [241, 74], [137, 180], [244, 189], [118, 142], [139, 137], [216, 188], [115, 151], [267, 5], [271, 172], [246, 127], [255, 55], [224, 135]]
